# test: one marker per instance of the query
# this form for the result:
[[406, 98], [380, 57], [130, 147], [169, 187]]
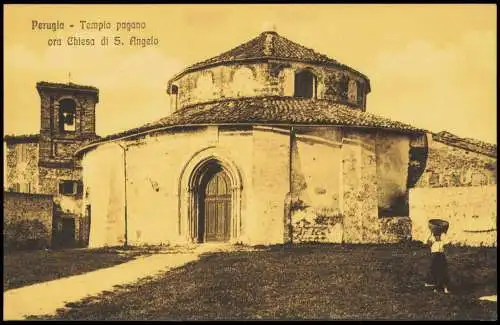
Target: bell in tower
[[67, 121]]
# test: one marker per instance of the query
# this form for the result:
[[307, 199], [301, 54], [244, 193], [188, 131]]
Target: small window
[[360, 93], [67, 115], [174, 96], [175, 90], [305, 84], [70, 187]]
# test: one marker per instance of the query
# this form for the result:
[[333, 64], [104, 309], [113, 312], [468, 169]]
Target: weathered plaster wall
[[340, 179], [275, 78], [316, 171], [359, 187], [392, 173], [223, 82], [21, 170], [471, 211], [155, 165], [366, 171], [264, 222], [449, 166], [104, 191]]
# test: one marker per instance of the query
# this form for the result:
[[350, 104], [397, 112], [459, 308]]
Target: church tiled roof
[[268, 45], [466, 143], [271, 111]]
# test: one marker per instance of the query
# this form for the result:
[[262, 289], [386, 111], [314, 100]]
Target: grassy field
[[22, 268], [307, 282]]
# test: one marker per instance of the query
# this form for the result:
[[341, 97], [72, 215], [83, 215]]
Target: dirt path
[[45, 298]]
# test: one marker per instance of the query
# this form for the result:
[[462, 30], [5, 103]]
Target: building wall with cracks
[[275, 78], [323, 181]]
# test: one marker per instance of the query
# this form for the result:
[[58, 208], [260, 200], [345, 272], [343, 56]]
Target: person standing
[[439, 265]]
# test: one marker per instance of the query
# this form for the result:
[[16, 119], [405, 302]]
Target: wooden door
[[68, 232], [217, 206]]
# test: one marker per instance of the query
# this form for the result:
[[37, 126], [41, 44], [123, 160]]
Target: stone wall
[[22, 166], [274, 78], [68, 205], [36, 209], [450, 166], [57, 146], [471, 211], [395, 229], [458, 185]]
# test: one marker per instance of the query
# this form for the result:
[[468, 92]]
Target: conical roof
[[268, 45]]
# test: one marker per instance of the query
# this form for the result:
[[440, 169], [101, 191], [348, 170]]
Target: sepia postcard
[[241, 162]]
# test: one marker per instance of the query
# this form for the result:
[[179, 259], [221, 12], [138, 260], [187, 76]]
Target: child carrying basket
[[439, 267]]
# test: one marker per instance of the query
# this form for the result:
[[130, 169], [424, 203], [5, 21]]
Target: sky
[[432, 66]]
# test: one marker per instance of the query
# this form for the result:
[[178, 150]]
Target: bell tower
[[67, 121]]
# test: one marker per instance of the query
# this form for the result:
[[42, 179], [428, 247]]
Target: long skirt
[[439, 270]]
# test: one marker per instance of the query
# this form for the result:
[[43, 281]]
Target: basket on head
[[438, 226]]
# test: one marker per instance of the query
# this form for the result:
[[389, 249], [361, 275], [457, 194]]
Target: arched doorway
[[214, 202], [210, 195]]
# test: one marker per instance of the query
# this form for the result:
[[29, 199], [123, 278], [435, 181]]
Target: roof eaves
[[46, 84], [22, 138], [177, 119], [260, 59], [474, 145]]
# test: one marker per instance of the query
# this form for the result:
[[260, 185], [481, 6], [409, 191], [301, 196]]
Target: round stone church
[[269, 143]]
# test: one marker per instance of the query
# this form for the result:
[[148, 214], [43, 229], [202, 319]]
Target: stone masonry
[[19, 207]]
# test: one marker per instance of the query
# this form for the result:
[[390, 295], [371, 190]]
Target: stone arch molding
[[189, 183], [58, 100]]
